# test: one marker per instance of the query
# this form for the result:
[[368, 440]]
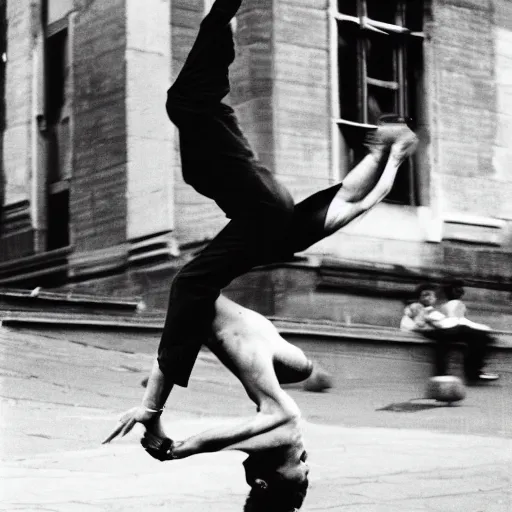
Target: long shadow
[[412, 406]]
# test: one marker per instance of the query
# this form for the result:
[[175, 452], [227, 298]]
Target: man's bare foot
[[391, 133], [404, 147], [159, 447]]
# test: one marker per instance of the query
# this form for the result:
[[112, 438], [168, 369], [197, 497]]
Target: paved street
[[375, 445]]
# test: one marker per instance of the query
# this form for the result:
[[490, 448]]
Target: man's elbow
[[289, 415], [364, 206], [373, 200], [286, 411]]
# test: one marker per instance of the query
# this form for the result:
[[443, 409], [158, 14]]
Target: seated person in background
[[476, 335], [453, 290], [449, 326], [421, 314]]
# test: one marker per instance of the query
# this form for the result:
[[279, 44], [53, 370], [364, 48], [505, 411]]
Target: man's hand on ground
[[159, 446]]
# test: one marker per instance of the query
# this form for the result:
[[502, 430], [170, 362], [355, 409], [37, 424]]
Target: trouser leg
[[238, 248], [218, 162], [441, 350], [204, 79], [476, 350]]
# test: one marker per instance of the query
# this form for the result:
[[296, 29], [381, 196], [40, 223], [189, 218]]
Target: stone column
[[22, 141], [150, 148]]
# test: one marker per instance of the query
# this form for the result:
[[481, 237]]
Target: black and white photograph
[[256, 255]]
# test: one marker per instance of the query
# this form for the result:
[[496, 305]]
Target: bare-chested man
[[250, 346], [270, 230]]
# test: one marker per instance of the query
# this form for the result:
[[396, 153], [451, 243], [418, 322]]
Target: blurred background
[[92, 195]]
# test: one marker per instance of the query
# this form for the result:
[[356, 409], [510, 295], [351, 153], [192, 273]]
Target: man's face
[[428, 297], [288, 465], [295, 468]]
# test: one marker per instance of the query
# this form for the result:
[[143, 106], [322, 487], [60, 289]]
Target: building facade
[[92, 191]]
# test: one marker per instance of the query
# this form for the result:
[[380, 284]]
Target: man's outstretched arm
[[258, 433], [276, 409]]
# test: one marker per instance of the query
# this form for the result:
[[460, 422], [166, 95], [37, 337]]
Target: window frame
[[58, 191], [340, 161]]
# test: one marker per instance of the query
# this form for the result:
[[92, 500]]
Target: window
[[57, 107], [379, 61], [58, 118]]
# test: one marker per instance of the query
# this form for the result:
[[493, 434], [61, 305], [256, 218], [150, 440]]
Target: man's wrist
[[153, 409], [147, 409]]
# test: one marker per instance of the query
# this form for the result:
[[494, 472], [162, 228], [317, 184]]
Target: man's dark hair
[[280, 496], [425, 286], [453, 288]]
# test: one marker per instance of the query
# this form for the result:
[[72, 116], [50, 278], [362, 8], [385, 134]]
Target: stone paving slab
[[356, 469], [61, 393]]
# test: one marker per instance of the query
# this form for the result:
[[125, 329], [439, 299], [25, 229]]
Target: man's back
[[249, 345]]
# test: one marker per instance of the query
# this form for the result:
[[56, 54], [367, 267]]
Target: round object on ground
[[446, 388], [318, 381]]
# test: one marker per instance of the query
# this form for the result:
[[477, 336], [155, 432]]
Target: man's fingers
[[126, 416], [127, 427], [126, 423], [113, 435]]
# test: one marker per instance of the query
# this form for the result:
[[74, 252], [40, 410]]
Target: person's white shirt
[[456, 309], [425, 318]]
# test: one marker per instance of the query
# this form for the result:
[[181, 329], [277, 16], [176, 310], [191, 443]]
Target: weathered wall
[[472, 106], [20, 133], [465, 106], [18, 100], [98, 190], [301, 103], [502, 157], [150, 193], [252, 85], [197, 218]]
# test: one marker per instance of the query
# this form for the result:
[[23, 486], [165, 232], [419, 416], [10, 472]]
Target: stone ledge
[[472, 229], [370, 333]]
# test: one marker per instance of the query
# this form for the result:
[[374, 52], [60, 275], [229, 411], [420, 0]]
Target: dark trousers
[[475, 345], [219, 163]]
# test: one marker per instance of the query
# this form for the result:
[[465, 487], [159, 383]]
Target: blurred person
[[477, 336], [418, 315], [446, 326]]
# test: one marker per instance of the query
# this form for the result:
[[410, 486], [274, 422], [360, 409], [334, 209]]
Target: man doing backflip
[[250, 346], [265, 227]]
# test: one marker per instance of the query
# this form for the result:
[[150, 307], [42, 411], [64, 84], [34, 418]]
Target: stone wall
[[150, 180], [17, 152], [98, 207], [502, 157], [301, 104], [196, 218], [472, 108]]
